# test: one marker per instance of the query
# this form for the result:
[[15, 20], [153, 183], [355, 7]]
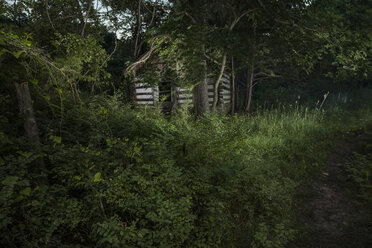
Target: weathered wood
[[144, 90], [137, 85], [180, 101], [183, 90], [149, 103], [146, 95], [140, 97]]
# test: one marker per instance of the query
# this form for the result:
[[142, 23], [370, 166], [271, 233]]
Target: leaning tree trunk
[[29, 121], [217, 84], [249, 89]]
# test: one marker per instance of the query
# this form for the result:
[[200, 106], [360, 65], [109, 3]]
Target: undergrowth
[[135, 178]]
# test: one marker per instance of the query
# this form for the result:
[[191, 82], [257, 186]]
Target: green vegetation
[[82, 165], [126, 177]]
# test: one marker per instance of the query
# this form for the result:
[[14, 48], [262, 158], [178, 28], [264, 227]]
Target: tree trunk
[[250, 79], [200, 94], [86, 19], [30, 126], [80, 15], [26, 110], [217, 84], [174, 99], [201, 103], [232, 85], [249, 88]]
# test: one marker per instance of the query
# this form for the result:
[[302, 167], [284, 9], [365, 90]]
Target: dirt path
[[330, 210]]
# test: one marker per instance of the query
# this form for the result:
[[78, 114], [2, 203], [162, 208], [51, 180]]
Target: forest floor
[[332, 213]]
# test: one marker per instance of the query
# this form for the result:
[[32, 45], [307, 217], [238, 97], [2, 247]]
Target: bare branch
[[237, 19], [153, 16], [80, 16], [188, 15], [47, 12], [211, 59], [86, 19], [262, 5], [266, 74], [138, 64], [295, 25], [139, 26], [111, 54]]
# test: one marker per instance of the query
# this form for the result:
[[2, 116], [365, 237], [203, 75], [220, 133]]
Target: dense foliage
[[82, 166], [122, 177]]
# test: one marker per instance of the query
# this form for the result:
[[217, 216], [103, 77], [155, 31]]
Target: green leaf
[[2, 51], [28, 42], [17, 54], [25, 154], [26, 191], [10, 180], [55, 139], [97, 177]]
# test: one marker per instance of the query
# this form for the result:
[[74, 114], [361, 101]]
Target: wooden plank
[[145, 103], [144, 90], [142, 85], [183, 90], [184, 101], [185, 95], [225, 79], [227, 92], [145, 99], [140, 97]]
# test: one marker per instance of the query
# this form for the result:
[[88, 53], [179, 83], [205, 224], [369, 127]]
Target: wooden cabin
[[172, 96]]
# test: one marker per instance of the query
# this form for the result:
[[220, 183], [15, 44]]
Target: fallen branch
[[157, 40]]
